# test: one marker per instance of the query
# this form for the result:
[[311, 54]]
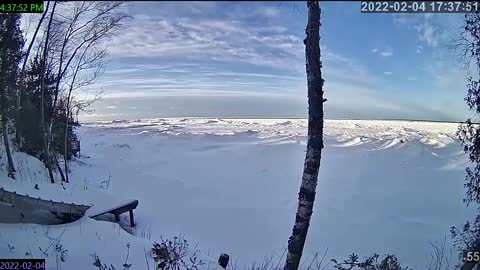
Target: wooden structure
[[118, 210], [69, 210], [17, 200]]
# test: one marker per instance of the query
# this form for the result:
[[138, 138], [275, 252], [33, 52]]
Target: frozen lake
[[231, 185]]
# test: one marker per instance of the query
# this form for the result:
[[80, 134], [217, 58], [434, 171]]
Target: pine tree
[[29, 119], [11, 41]]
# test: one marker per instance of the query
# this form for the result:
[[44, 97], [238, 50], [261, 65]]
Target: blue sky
[[376, 65]]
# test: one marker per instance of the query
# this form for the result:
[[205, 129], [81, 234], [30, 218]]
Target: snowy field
[[231, 185]]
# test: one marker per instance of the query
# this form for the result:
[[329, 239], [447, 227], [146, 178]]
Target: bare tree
[[440, 257], [46, 155], [78, 31], [88, 22], [92, 60], [306, 196], [22, 71]]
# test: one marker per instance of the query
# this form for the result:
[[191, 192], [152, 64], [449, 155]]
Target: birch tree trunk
[[65, 145], [46, 149], [7, 59], [306, 196], [11, 168]]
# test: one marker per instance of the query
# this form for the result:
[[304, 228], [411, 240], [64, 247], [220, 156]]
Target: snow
[[231, 185]]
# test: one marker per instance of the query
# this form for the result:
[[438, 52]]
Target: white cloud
[[399, 18], [268, 11], [433, 30], [388, 73], [428, 33], [387, 53], [231, 40], [209, 40], [384, 52], [122, 71]]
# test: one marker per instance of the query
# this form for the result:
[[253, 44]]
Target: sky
[[374, 65]]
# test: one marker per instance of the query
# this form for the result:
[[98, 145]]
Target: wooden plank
[[118, 209], [15, 199]]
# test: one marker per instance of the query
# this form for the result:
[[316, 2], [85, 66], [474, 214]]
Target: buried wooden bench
[[117, 211]]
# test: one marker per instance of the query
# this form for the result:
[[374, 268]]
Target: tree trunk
[[46, 147], [59, 168], [11, 168], [306, 196], [65, 152]]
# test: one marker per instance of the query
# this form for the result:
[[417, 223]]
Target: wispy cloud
[[432, 29], [218, 48], [387, 53], [268, 11], [189, 46], [384, 52], [206, 39], [428, 33]]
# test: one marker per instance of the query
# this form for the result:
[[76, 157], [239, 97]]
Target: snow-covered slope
[[231, 185]]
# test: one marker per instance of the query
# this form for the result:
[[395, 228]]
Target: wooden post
[[132, 221]]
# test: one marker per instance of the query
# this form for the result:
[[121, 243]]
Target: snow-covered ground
[[231, 185]]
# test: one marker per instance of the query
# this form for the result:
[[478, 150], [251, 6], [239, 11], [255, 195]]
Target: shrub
[[175, 255], [390, 262]]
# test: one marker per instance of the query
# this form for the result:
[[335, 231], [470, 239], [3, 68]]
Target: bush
[[390, 262], [175, 255]]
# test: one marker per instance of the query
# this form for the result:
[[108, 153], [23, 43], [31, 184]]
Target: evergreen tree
[[467, 239], [469, 133], [29, 120], [11, 40], [29, 123]]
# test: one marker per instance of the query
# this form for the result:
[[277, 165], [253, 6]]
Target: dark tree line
[[39, 77], [467, 239], [11, 41]]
